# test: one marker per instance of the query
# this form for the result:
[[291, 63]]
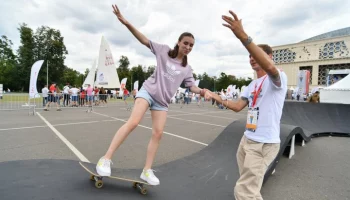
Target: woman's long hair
[[173, 52]]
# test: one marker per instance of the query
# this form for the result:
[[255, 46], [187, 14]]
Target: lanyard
[[256, 93]]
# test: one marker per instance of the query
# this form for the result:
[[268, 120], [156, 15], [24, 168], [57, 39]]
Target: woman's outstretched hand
[[117, 12]]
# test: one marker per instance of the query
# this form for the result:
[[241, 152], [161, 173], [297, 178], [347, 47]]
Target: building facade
[[319, 54]]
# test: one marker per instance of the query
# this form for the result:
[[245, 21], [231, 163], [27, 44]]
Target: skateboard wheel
[[134, 185], [99, 184], [143, 191], [141, 188], [92, 177]]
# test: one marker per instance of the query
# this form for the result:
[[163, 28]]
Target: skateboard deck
[[137, 183]]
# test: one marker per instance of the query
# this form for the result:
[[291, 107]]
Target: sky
[[216, 49]]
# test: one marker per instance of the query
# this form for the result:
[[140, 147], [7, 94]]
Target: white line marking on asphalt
[[64, 140], [200, 113], [67, 124], [75, 123], [197, 122], [167, 133], [19, 128]]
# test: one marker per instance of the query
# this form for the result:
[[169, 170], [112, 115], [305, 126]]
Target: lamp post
[[47, 73]]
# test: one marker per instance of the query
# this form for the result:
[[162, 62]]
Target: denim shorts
[[142, 93], [89, 98], [74, 98]]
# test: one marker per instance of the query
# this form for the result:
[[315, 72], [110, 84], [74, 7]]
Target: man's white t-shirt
[[45, 92], [270, 103], [74, 91], [66, 89]]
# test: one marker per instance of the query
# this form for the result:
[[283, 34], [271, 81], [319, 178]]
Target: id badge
[[252, 119]]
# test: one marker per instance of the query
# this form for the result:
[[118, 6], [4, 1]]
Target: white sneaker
[[103, 167], [149, 177]]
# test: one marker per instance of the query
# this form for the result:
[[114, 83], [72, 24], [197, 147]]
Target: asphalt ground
[[188, 130], [319, 170]]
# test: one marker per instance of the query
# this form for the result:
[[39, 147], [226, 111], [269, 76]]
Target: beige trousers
[[253, 159]]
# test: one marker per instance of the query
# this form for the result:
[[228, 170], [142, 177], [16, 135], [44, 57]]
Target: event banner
[[136, 86], [33, 78], [303, 80]]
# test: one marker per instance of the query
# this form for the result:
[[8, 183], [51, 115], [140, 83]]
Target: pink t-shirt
[[89, 91], [168, 75]]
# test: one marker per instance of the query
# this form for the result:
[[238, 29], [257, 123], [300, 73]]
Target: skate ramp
[[318, 119]]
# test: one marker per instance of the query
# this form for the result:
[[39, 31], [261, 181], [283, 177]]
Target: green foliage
[[49, 46], [25, 56], [8, 63], [137, 74]]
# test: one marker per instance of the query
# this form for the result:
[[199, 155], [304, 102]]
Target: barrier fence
[[21, 101]]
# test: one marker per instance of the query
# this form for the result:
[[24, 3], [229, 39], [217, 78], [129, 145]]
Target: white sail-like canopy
[[106, 75]]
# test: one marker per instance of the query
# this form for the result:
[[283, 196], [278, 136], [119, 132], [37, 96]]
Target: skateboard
[[136, 183]]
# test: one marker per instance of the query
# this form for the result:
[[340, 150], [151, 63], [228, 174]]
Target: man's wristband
[[247, 41]]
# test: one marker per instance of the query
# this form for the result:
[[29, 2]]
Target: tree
[[224, 81], [25, 56], [73, 77], [149, 71], [206, 82], [8, 75], [49, 46], [137, 74], [123, 69]]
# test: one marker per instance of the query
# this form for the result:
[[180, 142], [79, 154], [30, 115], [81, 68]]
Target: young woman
[[156, 92]]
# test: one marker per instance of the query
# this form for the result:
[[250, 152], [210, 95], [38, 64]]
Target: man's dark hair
[[266, 48]]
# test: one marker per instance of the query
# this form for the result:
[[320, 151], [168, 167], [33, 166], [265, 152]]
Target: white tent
[[339, 92]]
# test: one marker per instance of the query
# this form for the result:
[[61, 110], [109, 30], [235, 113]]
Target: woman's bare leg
[[158, 123], [141, 106]]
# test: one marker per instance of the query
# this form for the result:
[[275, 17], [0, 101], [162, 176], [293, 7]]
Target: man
[[52, 97], [125, 94], [74, 93], [45, 94], [66, 95], [133, 93], [265, 99], [89, 95], [315, 98], [96, 93]]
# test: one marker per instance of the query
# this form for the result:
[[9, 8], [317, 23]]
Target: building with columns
[[319, 54]]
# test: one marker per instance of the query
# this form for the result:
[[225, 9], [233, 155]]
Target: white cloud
[[83, 23]]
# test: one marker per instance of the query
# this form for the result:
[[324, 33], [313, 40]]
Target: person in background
[[45, 93], [96, 97], [74, 93], [133, 93], [52, 97], [315, 97], [125, 95], [82, 98], [89, 94], [66, 96]]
